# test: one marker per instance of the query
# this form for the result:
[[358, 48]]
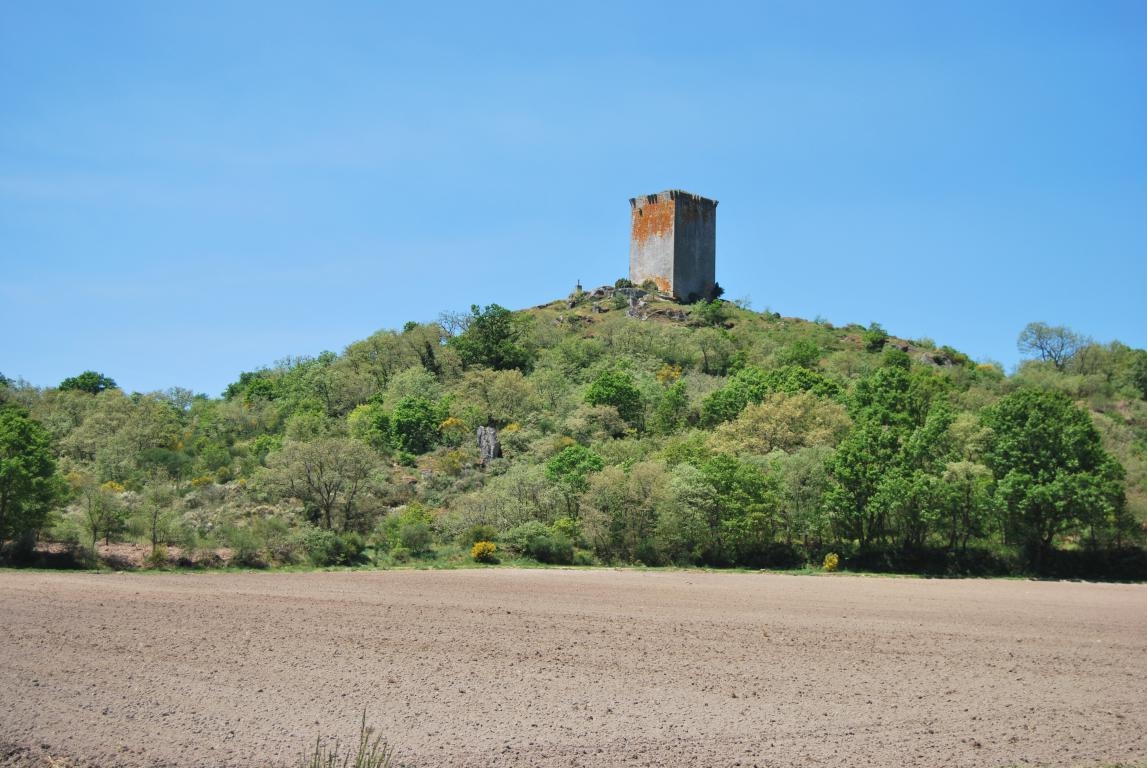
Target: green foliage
[[476, 533], [370, 423], [247, 550], [671, 412], [29, 487], [751, 384], [414, 424], [89, 381], [1137, 371], [1054, 476], [325, 547], [727, 438], [782, 422], [802, 353], [540, 542], [1055, 344], [572, 466], [714, 313], [334, 476], [416, 538], [622, 509], [874, 337], [494, 339], [616, 388]]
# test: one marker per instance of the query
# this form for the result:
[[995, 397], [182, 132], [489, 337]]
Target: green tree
[[29, 487], [1137, 371], [370, 423], [1053, 475], [494, 398], [89, 381], [569, 470], [782, 422], [743, 512], [804, 479], [967, 502], [672, 410], [1055, 344], [621, 511], [414, 424], [493, 338], [874, 337], [333, 476], [861, 462], [105, 509], [751, 384], [616, 388], [802, 353]]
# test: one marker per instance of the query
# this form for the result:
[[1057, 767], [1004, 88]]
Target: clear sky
[[190, 190]]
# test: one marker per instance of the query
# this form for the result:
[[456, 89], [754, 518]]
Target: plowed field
[[570, 668]]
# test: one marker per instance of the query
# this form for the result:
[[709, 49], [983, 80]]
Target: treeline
[[631, 430]]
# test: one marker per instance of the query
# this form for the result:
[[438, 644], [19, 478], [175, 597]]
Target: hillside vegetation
[[632, 430]]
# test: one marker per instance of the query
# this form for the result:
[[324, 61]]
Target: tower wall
[[653, 219], [695, 248], [674, 243]]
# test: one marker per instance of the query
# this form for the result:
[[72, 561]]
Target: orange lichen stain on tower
[[663, 284], [652, 219]]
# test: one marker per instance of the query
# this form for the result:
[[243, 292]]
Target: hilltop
[[629, 429]]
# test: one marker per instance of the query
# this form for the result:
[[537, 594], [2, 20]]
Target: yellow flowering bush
[[484, 552], [831, 562]]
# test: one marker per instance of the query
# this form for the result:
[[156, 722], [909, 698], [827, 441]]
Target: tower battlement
[[673, 242]]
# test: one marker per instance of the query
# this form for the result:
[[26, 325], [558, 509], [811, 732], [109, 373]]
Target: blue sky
[[190, 190]]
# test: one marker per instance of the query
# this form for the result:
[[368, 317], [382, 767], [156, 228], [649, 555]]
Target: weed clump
[[371, 751]]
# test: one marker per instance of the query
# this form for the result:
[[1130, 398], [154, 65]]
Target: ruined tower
[[674, 243]]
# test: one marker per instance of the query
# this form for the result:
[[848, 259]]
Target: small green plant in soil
[[371, 751]]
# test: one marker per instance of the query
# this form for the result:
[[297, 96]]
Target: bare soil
[[570, 668]]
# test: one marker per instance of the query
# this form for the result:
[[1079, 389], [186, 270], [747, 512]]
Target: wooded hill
[[632, 430]]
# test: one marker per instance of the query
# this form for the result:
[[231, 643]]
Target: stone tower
[[674, 243]]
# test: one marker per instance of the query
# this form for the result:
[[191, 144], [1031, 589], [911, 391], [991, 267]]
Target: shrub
[[583, 557], [536, 541], [325, 547], [831, 562], [246, 549], [476, 533], [484, 552], [157, 558], [568, 527], [874, 338], [709, 312], [416, 537]]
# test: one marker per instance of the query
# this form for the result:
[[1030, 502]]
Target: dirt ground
[[570, 668]]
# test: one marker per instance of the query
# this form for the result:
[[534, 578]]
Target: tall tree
[[616, 388], [29, 487], [1052, 471], [333, 476], [493, 338], [1055, 344], [89, 381]]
